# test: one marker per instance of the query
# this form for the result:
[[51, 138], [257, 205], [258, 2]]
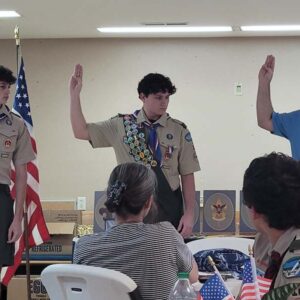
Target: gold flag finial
[[17, 36], [210, 260]]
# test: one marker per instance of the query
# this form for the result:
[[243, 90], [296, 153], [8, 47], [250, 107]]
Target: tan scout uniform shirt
[[15, 144], [282, 244], [171, 132], [262, 252]]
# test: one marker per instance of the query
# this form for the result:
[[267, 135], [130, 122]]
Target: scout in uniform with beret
[[272, 192], [149, 136], [15, 146]]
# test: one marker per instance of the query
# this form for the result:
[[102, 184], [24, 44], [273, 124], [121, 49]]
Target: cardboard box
[[17, 288], [58, 205], [60, 242], [87, 217], [65, 216]]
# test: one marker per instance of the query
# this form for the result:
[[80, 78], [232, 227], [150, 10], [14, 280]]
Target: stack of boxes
[[62, 221]]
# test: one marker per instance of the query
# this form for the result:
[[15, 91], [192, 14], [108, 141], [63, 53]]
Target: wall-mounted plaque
[[246, 225], [219, 212], [103, 219]]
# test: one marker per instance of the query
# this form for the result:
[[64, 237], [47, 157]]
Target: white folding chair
[[77, 282], [235, 243]]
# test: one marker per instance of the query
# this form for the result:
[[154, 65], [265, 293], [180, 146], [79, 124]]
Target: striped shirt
[[151, 254]]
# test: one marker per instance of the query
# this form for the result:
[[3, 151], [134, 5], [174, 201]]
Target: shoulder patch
[[291, 268], [179, 122], [188, 137]]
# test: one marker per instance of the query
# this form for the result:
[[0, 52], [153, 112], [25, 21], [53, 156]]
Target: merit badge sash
[[135, 139], [170, 203]]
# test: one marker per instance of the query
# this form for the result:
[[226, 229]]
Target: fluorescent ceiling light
[[162, 29], [8, 14], [271, 28]]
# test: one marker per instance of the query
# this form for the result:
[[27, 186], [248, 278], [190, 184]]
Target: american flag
[[253, 286], [37, 229], [215, 289]]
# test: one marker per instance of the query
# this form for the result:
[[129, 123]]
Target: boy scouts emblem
[[291, 267], [8, 122], [169, 136], [219, 210], [7, 143], [188, 137]]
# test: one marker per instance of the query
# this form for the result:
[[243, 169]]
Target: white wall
[[223, 126]]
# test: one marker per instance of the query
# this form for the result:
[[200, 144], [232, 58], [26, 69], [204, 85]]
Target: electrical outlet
[[81, 203], [238, 91]]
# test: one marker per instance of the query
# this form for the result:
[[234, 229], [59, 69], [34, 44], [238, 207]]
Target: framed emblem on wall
[[219, 212], [246, 225], [196, 227], [103, 219]]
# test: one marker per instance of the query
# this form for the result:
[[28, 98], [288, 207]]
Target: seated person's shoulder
[[167, 225], [164, 227], [84, 240], [169, 231]]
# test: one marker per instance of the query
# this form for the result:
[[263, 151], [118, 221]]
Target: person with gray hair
[[151, 254]]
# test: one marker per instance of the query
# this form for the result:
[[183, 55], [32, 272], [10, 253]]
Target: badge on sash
[[136, 141]]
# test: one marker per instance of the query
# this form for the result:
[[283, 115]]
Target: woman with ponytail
[[151, 254]]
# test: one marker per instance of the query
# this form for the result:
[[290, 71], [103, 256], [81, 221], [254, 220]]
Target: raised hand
[[76, 81], [265, 74]]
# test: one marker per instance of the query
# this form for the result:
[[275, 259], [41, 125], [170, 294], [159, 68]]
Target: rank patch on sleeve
[[188, 137]]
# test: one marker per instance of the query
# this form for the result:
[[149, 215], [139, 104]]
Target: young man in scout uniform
[[271, 191], [15, 146], [149, 136], [286, 125]]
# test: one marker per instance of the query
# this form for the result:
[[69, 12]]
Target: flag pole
[[17, 38], [216, 271], [18, 48], [254, 273]]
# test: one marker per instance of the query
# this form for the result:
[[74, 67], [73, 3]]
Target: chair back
[[235, 243], [77, 282]]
